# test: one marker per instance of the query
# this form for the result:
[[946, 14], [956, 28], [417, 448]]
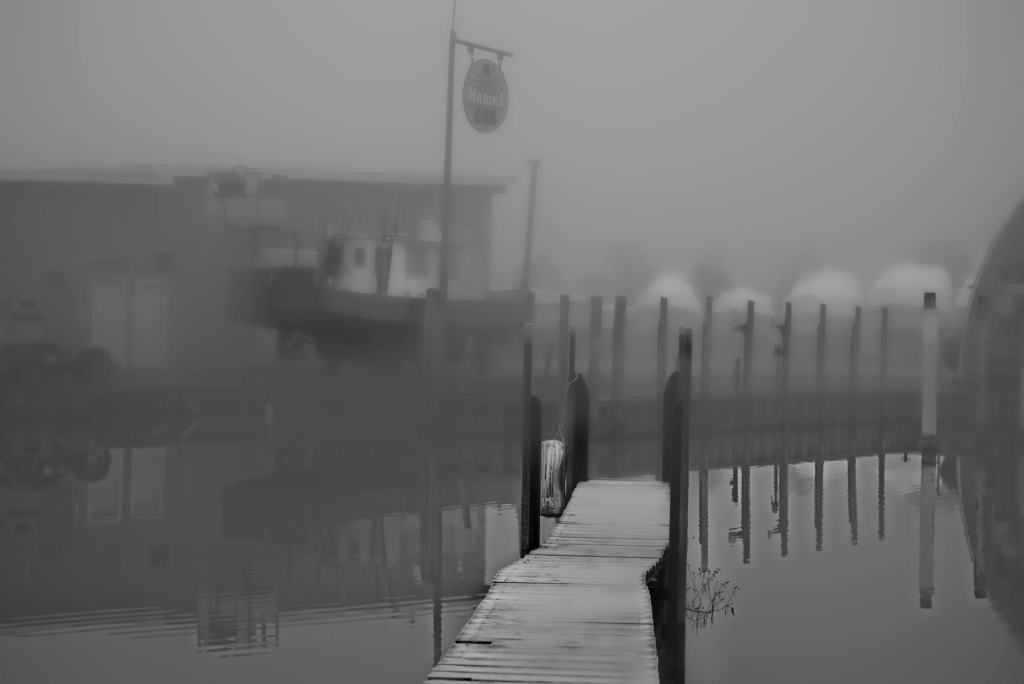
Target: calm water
[[264, 560]]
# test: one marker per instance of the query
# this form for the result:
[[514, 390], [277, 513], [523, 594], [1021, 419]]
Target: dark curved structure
[[997, 308]]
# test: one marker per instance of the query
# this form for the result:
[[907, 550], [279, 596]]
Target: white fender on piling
[[552, 478]]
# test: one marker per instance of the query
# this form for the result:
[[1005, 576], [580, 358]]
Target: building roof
[[166, 175]]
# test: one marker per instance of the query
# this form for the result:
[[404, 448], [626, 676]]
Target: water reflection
[[238, 540], [247, 547]]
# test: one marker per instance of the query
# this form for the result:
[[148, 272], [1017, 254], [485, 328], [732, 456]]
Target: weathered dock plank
[[577, 609]]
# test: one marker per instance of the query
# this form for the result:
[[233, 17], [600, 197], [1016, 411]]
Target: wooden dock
[[577, 609]]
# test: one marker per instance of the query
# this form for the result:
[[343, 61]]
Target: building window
[[417, 261], [359, 256]]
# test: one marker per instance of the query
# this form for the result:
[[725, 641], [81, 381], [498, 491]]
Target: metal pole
[[528, 256], [446, 197]]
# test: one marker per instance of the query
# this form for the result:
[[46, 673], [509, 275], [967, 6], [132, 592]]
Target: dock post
[[529, 510], [820, 376], [854, 363], [618, 349], [580, 455], [929, 373], [748, 358], [563, 340], [569, 398], [661, 345], [883, 360], [786, 329], [594, 354], [705, 351], [679, 504]]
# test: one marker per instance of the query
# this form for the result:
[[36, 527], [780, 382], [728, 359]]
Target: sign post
[[483, 91]]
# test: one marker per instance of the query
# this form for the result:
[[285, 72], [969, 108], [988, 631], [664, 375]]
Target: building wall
[[108, 237]]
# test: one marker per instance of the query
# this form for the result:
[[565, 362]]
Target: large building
[[142, 253]]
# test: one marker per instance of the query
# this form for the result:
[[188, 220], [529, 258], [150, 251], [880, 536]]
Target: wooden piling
[[679, 505], [820, 376], [594, 354], [748, 358], [526, 438], [929, 373], [883, 361], [618, 349], [670, 396], [563, 340], [579, 470], [705, 350]]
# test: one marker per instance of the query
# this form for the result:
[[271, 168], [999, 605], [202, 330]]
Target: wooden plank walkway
[[577, 609]]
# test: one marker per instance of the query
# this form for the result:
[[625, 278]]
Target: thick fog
[[749, 131]]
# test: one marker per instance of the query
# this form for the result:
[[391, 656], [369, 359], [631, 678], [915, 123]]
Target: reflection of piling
[[926, 565], [819, 493], [784, 502], [851, 496], [745, 510], [703, 511], [929, 373], [881, 497]]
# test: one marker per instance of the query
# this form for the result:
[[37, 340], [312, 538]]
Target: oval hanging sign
[[485, 95]]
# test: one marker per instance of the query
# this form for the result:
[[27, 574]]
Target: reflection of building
[[236, 618], [203, 535]]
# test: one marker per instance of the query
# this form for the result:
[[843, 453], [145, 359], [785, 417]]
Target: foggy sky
[[852, 129]]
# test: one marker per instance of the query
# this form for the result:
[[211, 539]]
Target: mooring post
[[570, 397], [929, 373], [526, 437], [786, 328], [535, 435], [594, 354], [854, 369], [618, 363], [981, 513], [748, 361], [661, 345], [618, 349], [670, 397], [563, 339], [705, 350], [579, 458], [679, 503], [883, 360], [820, 378]]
